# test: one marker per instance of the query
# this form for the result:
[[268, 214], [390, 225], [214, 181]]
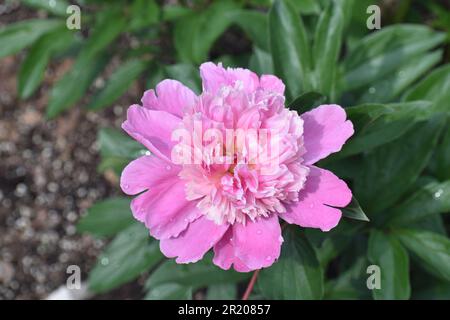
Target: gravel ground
[[48, 179]]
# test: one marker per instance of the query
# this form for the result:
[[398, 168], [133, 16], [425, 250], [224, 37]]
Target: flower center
[[251, 164]]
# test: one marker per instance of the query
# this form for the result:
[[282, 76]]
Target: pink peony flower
[[229, 200]]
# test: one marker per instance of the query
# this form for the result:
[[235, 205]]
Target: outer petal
[[165, 210], [152, 128], [146, 172], [325, 131], [215, 76], [272, 83], [321, 191], [224, 255], [171, 96], [257, 243], [192, 244]]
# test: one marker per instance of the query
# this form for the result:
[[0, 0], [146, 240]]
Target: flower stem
[[250, 286]]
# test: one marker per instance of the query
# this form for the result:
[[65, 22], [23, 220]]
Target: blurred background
[[64, 94]]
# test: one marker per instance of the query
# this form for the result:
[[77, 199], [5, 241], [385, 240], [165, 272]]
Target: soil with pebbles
[[48, 179]]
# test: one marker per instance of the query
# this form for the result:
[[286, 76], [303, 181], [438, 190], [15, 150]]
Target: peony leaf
[[290, 49], [126, 257], [33, 67], [382, 52], [106, 218], [432, 249], [118, 84], [19, 35], [306, 102], [387, 252], [431, 199], [297, 274], [390, 170]]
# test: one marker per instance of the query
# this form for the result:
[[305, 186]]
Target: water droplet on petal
[[126, 186], [258, 232], [168, 167], [268, 258], [311, 205]]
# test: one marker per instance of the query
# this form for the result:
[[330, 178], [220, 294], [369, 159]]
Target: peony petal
[[146, 172], [171, 96], [215, 77], [152, 128], [257, 243], [325, 131], [165, 210], [272, 83], [224, 254], [314, 209], [192, 244]]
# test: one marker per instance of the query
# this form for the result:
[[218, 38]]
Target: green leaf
[[185, 73], [118, 84], [391, 169], [114, 143], [387, 252], [261, 62], [106, 218], [331, 244], [196, 275], [144, 13], [443, 156], [194, 34], [435, 87], [22, 34], [382, 52], [290, 49], [327, 46], [434, 198], [89, 63], [378, 124], [354, 211], [117, 149], [174, 12], [436, 291], [431, 248], [110, 24], [33, 67], [56, 7], [254, 24], [393, 85], [432, 223], [224, 291], [350, 283], [170, 291], [125, 258], [306, 6], [306, 102], [297, 274], [74, 84]]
